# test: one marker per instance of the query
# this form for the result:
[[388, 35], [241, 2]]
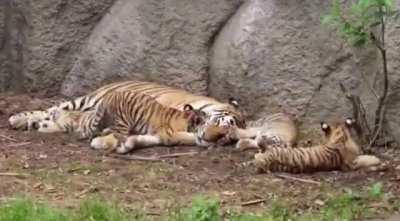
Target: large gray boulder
[[40, 38], [275, 55], [164, 41]]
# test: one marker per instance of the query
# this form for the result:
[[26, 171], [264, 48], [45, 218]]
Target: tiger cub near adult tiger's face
[[338, 152], [221, 113], [146, 122], [276, 129]]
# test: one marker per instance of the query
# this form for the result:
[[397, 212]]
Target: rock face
[[271, 55], [40, 39], [164, 41], [275, 54]]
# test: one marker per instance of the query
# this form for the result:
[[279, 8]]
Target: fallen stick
[[19, 144], [8, 138], [172, 155], [14, 174], [155, 158], [134, 157], [252, 202], [298, 179]]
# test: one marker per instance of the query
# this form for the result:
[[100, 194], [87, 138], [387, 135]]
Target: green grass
[[345, 207]]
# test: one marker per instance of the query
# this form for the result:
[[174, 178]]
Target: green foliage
[[24, 210], [357, 23], [376, 191], [201, 210], [205, 210], [97, 210], [346, 207]]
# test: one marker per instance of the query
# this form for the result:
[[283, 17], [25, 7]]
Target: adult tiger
[[339, 152], [221, 113]]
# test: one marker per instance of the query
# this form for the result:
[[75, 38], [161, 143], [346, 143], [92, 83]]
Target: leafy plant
[[376, 191], [362, 24], [205, 210]]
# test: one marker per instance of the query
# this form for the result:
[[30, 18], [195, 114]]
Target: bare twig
[[252, 202], [134, 157], [380, 111], [361, 126], [172, 155], [19, 144], [155, 158], [153, 213], [369, 85], [14, 174], [298, 179], [8, 138]]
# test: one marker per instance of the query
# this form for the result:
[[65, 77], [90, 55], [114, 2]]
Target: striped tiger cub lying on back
[[136, 117], [339, 152], [218, 112], [146, 122]]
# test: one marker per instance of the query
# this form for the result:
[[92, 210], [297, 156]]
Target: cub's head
[[59, 120], [196, 118], [338, 134]]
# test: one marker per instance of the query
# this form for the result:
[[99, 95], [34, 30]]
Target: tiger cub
[[146, 123], [338, 152], [84, 123], [277, 129]]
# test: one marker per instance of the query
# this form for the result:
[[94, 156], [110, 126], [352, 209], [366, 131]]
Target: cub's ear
[[188, 107], [233, 102], [325, 127], [349, 122]]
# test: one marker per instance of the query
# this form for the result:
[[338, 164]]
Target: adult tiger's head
[[228, 114], [339, 134]]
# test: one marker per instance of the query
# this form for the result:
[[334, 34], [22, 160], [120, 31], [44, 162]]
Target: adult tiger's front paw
[[104, 142]]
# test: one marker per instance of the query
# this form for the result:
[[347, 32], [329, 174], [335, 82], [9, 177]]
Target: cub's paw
[[104, 143]]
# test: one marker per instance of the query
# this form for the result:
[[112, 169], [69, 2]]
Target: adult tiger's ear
[[233, 102], [326, 128]]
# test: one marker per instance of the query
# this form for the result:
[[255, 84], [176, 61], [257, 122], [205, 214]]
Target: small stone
[[319, 202]]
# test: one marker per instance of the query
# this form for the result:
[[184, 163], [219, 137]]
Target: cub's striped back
[[134, 113], [337, 153]]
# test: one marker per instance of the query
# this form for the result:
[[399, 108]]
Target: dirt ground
[[60, 169]]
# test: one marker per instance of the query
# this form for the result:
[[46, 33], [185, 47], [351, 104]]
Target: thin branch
[[8, 138], [14, 174], [369, 85], [298, 179], [154, 158], [172, 155], [134, 157], [252, 202], [19, 144]]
